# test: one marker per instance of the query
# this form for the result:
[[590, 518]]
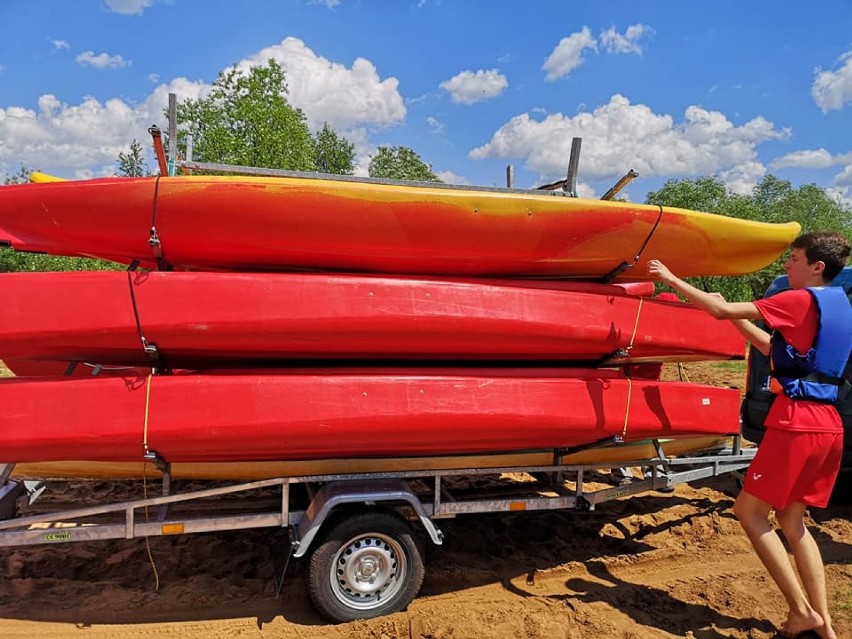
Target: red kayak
[[199, 320], [328, 413]]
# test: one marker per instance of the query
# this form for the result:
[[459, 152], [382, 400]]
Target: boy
[[797, 462]]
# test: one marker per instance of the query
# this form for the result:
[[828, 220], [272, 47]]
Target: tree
[[132, 163], [21, 177], [702, 194], [809, 205], [773, 200], [333, 153], [247, 120], [400, 163]]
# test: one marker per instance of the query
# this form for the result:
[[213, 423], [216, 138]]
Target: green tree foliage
[[22, 176], [400, 163], [773, 200], [333, 153], [247, 120], [132, 163]]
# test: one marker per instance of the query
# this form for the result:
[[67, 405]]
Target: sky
[[671, 89]]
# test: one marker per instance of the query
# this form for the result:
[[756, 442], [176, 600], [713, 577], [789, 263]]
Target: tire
[[366, 565]]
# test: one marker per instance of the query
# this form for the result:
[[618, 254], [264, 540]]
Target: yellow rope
[[145, 477], [635, 325], [627, 408], [147, 408], [147, 540], [629, 380]]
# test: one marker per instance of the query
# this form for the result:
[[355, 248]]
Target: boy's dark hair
[[832, 249]]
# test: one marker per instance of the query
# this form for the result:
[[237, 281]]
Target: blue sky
[[672, 89]]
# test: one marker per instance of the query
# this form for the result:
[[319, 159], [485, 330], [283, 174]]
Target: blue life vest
[[817, 375]]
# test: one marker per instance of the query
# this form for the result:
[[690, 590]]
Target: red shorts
[[793, 466]]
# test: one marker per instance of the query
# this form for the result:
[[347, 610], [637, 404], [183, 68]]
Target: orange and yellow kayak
[[263, 223]]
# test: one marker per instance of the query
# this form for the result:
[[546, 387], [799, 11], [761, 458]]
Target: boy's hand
[[659, 271]]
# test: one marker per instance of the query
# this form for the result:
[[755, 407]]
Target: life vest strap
[[819, 378]]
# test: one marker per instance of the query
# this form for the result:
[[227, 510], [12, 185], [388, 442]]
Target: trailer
[[361, 533]]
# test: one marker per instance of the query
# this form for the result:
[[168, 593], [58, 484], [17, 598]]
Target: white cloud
[[585, 190], [841, 195], [614, 42], [468, 87], [153, 78], [832, 90], [129, 7], [620, 135], [743, 178], [78, 138], [448, 177], [568, 54], [809, 159], [435, 125], [331, 4], [102, 60], [329, 91], [844, 178], [85, 139], [60, 45]]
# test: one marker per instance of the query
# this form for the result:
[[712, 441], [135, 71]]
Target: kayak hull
[[199, 320], [326, 414], [614, 454]]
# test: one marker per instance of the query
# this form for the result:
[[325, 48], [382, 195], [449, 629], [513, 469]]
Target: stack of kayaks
[[273, 326]]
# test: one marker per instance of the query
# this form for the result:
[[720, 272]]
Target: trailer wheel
[[366, 565]]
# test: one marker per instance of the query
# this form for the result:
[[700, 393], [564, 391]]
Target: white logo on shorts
[[756, 476]]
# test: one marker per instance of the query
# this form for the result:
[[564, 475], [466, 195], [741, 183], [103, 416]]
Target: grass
[[843, 603], [738, 366]]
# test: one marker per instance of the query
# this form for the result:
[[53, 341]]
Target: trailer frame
[[420, 497]]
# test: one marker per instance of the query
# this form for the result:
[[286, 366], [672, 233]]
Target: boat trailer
[[361, 530]]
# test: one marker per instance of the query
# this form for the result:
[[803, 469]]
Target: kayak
[[361, 225], [198, 320], [615, 454], [311, 414]]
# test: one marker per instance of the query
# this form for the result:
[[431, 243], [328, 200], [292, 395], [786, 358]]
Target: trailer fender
[[366, 492]]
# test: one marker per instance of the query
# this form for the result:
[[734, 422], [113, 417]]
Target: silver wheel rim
[[367, 571]]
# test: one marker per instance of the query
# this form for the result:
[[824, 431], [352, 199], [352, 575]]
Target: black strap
[[149, 347], [819, 378], [618, 270], [153, 238]]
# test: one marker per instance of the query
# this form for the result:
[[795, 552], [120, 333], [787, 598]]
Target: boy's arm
[[755, 335], [710, 302], [716, 305]]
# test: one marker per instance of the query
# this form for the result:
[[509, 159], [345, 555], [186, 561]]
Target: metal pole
[[620, 185], [172, 132], [573, 163], [510, 177], [5, 471], [189, 150]]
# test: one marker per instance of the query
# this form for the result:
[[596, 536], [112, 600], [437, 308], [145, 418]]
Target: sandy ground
[[645, 567]]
